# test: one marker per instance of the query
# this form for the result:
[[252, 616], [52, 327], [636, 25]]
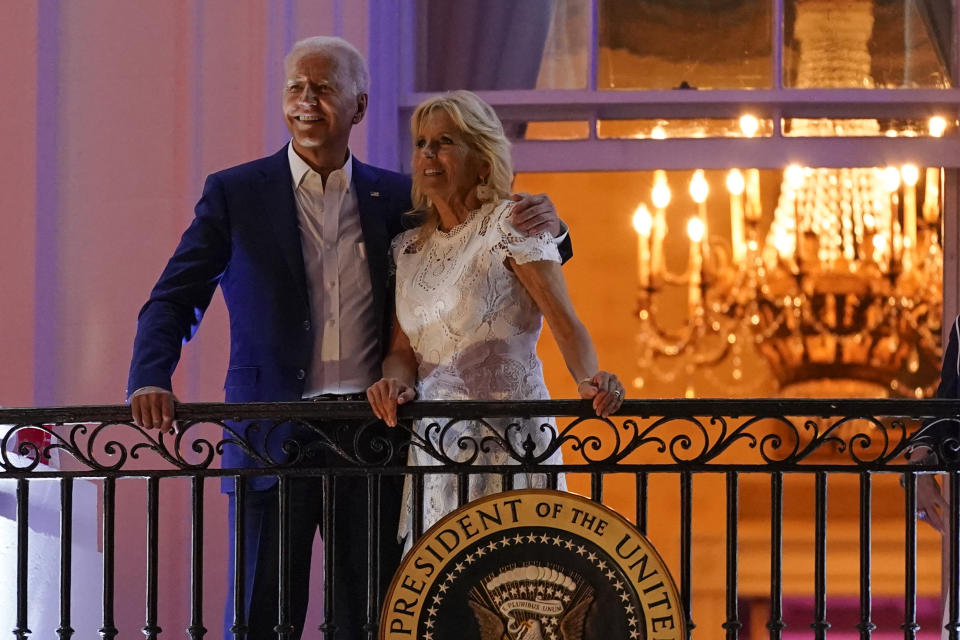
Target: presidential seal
[[532, 565]]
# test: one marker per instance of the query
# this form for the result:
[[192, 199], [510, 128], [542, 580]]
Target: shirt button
[[306, 325], [301, 374]]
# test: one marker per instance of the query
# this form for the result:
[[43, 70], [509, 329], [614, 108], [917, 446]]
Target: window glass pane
[[802, 282], [746, 126], [665, 44], [867, 43], [935, 127], [552, 130]]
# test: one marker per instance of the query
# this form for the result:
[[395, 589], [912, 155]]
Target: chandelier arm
[[665, 342], [682, 279]]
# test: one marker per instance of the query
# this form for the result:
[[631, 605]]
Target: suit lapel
[[375, 236], [278, 201]]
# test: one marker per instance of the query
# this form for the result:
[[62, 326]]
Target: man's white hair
[[338, 48]]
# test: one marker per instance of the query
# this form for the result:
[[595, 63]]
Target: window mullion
[[776, 37], [543, 104], [954, 45], [728, 153], [593, 51]]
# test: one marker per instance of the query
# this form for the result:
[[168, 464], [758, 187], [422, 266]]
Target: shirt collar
[[299, 167]]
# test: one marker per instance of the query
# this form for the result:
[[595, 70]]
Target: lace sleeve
[[520, 247]]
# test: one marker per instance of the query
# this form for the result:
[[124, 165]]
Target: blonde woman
[[470, 298]]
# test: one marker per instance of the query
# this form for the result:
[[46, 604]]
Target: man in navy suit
[[939, 438], [299, 244]]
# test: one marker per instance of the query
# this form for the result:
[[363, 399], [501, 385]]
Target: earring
[[484, 191]]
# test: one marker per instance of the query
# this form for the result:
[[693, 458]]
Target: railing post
[[463, 488], [732, 624], [65, 631], [196, 628], [642, 502], [23, 553], [776, 624], [328, 628], [417, 481], [151, 629], [686, 539], [910, 625], [239, 628], [865, 625], [109, 630], [284, 626], [820, 624], [953, 530], [373, 559]]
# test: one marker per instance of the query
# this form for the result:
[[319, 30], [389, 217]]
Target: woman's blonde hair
[[483, 133]]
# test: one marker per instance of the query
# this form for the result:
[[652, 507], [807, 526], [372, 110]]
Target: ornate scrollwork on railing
[[781, 434], [460, 442], [108, 445]]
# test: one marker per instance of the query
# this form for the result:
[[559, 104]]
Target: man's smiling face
[[320, 104]]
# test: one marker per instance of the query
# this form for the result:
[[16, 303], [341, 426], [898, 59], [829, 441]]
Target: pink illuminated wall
[[18, 32], [113, 113]]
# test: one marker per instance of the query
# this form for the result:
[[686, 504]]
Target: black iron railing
[[646, 439]]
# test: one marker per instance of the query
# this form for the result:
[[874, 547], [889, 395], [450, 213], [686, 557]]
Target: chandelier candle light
[[736, 186], [643, 223]]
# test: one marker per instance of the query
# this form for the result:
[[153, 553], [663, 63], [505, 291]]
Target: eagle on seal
[[531, 602]]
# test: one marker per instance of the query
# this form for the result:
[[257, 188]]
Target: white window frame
[[772, 152]]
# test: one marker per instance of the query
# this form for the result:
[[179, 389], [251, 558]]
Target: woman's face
[[444, 166]]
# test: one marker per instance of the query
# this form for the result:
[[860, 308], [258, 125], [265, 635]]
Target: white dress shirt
[[345, 357]]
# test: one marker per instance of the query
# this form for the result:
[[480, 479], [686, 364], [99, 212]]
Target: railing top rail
[[780, 433], [659, 407]]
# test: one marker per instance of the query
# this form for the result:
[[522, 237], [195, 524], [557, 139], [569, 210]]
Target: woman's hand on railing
[[385, 394], [931, 504], [606, 391]]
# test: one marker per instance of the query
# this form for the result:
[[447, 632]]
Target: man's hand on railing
[[153, 408]]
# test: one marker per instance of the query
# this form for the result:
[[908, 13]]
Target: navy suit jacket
[[950, 371], [942, 435], [244, 238]]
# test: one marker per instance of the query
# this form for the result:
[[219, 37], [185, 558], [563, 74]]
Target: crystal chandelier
[[842, 293], [844, 284]]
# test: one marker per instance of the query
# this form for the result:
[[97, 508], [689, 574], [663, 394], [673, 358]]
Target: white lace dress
[[474, 329]]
